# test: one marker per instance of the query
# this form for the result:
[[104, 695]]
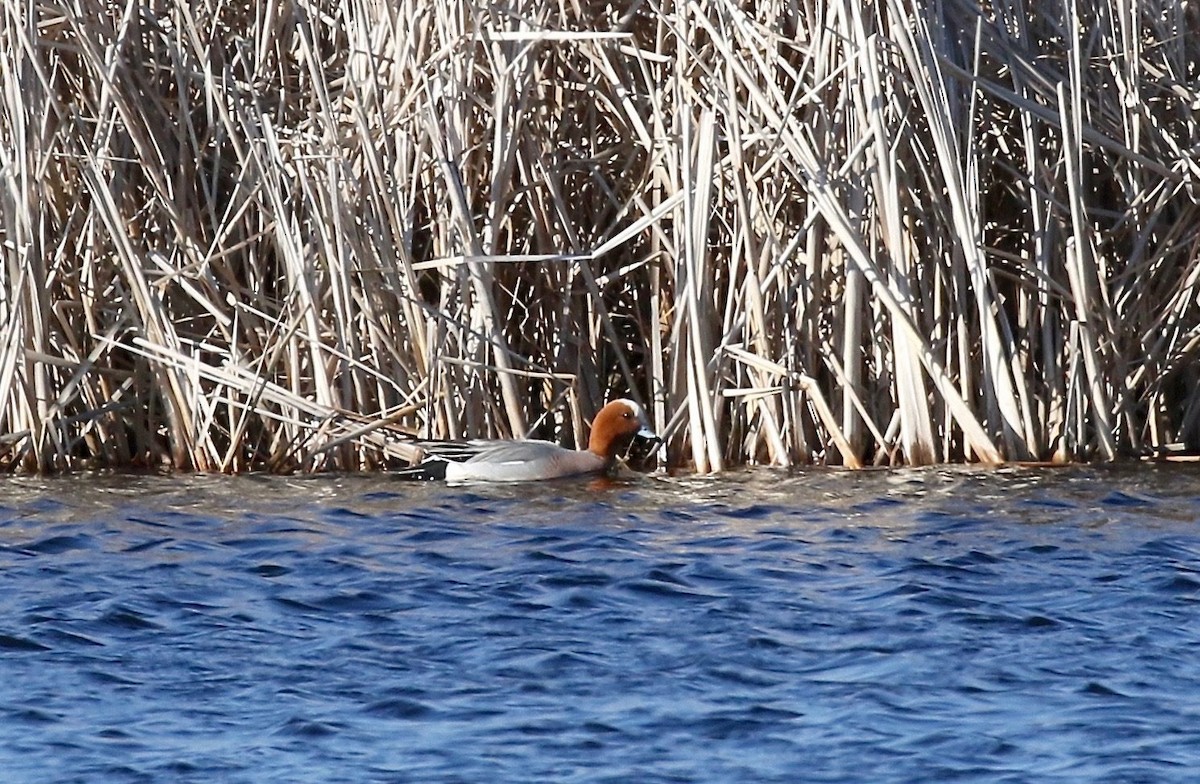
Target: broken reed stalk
[[830, 232]]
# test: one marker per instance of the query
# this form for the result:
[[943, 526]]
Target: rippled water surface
[[1039, 626]]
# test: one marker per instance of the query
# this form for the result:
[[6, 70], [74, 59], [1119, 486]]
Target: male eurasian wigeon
[[480, 460]]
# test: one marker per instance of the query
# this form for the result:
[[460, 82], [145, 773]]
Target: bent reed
[[253, 235]]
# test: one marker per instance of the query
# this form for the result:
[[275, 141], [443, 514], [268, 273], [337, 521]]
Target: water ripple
[[905, 626]]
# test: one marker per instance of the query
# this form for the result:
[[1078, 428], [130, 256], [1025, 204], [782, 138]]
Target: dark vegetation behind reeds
[[245, 235]]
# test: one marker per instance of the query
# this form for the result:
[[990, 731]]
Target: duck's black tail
[[433, 470]]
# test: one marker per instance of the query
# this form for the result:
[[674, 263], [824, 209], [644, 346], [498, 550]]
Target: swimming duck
[[481, 460]]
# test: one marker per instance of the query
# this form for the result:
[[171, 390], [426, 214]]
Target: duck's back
[[521, 461]]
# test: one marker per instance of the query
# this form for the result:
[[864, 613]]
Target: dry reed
[[243, 235]]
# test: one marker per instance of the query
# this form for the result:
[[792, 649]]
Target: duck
[[489, 460]]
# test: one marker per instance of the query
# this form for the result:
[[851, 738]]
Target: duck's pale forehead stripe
[[634, 407]]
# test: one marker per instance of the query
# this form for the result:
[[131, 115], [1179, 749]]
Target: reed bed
[[246, 235]]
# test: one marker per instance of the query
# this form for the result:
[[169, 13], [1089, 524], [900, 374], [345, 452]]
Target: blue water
[[892, 626]]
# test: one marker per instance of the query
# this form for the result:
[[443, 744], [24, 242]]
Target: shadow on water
[[908, 625]]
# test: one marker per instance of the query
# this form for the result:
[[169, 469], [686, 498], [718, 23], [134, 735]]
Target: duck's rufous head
[[615, 427]]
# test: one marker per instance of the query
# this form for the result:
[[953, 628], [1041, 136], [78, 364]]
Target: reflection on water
[[821, 626]]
